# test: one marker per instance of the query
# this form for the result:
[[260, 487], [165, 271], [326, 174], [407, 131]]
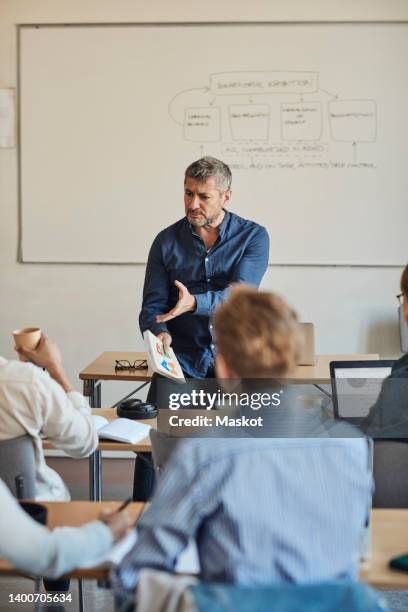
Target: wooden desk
[[95, 476], [320, 372], [389, 538], [75, 514], [103, 368]]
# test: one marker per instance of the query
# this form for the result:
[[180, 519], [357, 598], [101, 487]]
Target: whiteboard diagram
[[235, 108]]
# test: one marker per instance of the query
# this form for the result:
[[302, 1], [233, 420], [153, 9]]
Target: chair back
[[17, 466], [162, 447], [403, 331], [390, 474], [323, 597]]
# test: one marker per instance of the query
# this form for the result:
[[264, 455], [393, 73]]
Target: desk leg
[[326, 393], [95, 476], [37, 590], [92, 389], [80, 596]]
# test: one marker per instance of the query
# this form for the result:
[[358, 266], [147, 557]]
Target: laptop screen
[[356, 387]]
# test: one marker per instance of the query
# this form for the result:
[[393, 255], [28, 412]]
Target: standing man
[[190, 268], [192, 264]]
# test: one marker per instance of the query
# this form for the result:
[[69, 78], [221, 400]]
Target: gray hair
[[207, 167]]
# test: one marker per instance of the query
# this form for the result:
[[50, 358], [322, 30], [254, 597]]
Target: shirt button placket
[[207, 259]]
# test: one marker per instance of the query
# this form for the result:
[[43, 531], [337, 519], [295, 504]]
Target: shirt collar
[[223, 225]]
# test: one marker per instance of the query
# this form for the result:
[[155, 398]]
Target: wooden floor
[[95, 599], [117, 476]]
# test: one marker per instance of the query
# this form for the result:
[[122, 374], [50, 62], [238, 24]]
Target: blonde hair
[[257, 333]]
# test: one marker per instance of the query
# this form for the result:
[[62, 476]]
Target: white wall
[[91, 308]]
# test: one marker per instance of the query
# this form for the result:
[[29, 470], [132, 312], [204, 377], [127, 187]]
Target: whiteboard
[[312, 119]]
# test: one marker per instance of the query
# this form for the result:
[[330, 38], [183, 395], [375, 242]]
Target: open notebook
[[121, 430]]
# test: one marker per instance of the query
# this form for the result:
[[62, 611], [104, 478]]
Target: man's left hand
[[186, 303]]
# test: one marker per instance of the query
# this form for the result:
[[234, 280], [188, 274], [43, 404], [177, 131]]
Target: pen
[[125, 503]]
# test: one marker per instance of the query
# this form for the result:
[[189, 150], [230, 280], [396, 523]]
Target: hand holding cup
[[27, 338]]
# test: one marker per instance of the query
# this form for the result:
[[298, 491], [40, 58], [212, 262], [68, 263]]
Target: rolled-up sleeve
[[66, 417]]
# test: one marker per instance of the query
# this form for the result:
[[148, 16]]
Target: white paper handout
[[187, 561], [116, 553]]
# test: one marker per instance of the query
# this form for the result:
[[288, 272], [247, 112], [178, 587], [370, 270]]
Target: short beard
[[200, 222], [203, 221]]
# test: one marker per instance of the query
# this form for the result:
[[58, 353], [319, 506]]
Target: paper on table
[[187, 562], [116, 553], [121, 430], [99, 421]]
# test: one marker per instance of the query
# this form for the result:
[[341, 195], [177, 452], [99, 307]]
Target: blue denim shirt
[[240, 255]]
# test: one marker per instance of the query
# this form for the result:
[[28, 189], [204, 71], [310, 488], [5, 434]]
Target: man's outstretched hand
[[186, 303]]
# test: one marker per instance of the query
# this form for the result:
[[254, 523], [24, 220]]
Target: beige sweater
[[32, 403]]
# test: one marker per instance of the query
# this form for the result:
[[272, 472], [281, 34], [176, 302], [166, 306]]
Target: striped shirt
[[260, 510]]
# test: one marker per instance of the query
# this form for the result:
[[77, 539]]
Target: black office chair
[[390, 474], [162, 447], [17, 466], [403, 331], [17, 470]]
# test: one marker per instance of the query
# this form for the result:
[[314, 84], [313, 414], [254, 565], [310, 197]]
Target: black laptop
[[356, 386]]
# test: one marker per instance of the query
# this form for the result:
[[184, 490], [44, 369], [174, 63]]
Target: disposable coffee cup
[[38, 512], [29, 337]]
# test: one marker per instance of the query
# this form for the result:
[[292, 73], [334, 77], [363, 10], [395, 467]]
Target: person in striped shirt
[[261, 510]]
